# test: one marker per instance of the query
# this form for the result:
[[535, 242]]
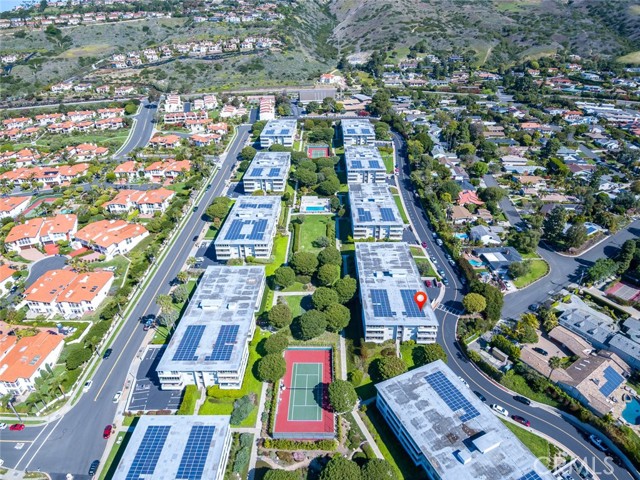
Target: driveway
[[506, 205], [43, 265], [147, 394]]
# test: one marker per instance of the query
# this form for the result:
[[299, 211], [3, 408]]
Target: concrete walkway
[[256, 432], [289, 468]]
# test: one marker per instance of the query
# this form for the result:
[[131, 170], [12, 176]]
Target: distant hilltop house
[[173, 104]]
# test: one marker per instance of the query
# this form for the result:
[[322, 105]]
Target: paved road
[[505, 204], [71, 443], [142, 130], [541, 419]]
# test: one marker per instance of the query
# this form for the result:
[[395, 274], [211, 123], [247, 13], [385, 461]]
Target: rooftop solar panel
[[234, 230], [258, 230], [364, 216], [410, 307], [189, 343], [223, 348], [146, 458], [285, 131], [265, 205], [356, 164], [387, 214], [351, 131], [271, 131], [374, 164], [248, 205], [532, 475], [274, 172], [451, 396], [257, 171], [613, 381], [195, 453], [381, 306]]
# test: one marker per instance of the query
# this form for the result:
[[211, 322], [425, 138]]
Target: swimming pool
[[476, 263], [631, 412], [314, 208], [461, 236]]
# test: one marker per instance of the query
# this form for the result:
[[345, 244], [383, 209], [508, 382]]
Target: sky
[[9, 4]]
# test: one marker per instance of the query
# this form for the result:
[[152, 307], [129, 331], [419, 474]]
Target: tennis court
[[302, 410], [317, 151], [306, 392]]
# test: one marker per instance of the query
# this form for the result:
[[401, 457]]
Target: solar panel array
[[364, 215], [451, 395], [274, 172], [613, 381], [258, 230], [356, 164], [148, 454], [223, 348], [195, 453], [257, 233], [374, 164], [257, 171], [532, 475], [285, 131], [255, 205], [411, 309], [381, 306], [351, 131], [271, 131], [186, 351], [387, 215]]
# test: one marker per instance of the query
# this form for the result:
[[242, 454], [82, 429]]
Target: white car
[[3, 426], [499, 409], [87, 385], [116, 397], [464, 382]]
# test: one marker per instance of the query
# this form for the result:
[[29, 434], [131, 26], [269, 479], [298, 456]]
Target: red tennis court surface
[[317, 151], [303, 410], [625, 292]]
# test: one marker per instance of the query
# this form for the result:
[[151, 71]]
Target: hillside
[[497, 30]]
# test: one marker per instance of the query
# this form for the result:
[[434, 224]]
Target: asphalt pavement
[[142, 130], [71, 443], [544, 419]]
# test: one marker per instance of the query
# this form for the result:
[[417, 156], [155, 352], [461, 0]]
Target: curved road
[[142, 130], [71, 443], [541, 419]]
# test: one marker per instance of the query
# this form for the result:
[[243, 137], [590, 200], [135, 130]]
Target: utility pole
[[10, 405]]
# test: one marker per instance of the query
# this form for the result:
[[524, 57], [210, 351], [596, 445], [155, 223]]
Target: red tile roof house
[[13, 206], [127, 171], [168, 169], [41, 231], [23, 360], [205, 139], [111, 237], [6, 276], [21, 122], [166, 141], [146, 201], [110, 123], [87, 151], [466, 197], [68, 293]]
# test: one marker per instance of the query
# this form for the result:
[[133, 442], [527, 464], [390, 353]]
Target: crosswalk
[[448, 309]]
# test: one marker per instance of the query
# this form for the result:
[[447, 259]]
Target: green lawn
[[161, 335], [426, 270], [539, 268], [120, 264], [279, 254], [417, 252], [538, 445], [116, 453], [389, 162], [403, 214], [519, 385], [314, 226], [222, 405], [211, 232], [296, 303]]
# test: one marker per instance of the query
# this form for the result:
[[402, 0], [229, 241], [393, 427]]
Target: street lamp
[[10, 405]]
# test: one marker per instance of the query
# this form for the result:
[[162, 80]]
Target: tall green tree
[[553, 225], [342, 396], [339, 468], [378, 469]]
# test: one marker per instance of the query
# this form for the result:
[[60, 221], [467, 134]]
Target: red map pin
[[420, 298]]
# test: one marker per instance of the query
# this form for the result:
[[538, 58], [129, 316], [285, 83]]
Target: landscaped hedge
[[188, 404], [284, 444], [296, 237], [368, 451]]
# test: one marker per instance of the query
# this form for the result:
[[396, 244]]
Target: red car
[[427, 283], [17, 427], [521, 420], [424, 244], [107, 431]]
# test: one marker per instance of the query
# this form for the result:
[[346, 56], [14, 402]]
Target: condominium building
[[374, 213], [249, 229], [211, 343], [447, 431], [268, 172], [389, 279], [41, 231], [147, 202], [357, 132], [111, 237], [364, 165], [280, 132], [169, 447]]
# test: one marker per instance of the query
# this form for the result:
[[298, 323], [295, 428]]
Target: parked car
[[107, 353], [499, 409], [534, 307], [116, 397], [521, 420], [195, 209], [93, 468], [445, 281], [441, 272], [424, 244], [598, 443], [541, 351], [464, 382], [521, 399], [87, 385], [107, 431], [16, 427], [480, 396], [439, 242], [434, 235]]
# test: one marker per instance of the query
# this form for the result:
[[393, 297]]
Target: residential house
[[168, 169], [165, 141], [127, 171], [173, 104], [41, 231], [484, 235], [13, 206], [147, 202], [6, 278], [459, 215], [111, 237]]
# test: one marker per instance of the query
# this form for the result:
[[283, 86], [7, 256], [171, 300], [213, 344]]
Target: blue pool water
[[462, 236], [476, 263], [631, 412], [313, 208]]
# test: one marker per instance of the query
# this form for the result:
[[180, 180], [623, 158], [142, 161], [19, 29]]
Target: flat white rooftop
[[268, 166], [363, 158], [215, 327], [170, 447], [389, 278], [357, 127], [373, 204], [458, 434], [279, 128], [252, 220]]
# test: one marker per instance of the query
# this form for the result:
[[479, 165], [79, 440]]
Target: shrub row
[[284, 444], [189, 400]]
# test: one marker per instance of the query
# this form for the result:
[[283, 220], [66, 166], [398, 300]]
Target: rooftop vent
[[487, 442], [463, 456]]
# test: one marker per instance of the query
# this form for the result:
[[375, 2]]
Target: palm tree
[[554, 363]]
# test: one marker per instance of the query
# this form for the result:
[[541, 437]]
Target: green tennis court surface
[[306, 392]]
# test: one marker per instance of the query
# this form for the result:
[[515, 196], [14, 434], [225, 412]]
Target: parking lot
[[146, 394]]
